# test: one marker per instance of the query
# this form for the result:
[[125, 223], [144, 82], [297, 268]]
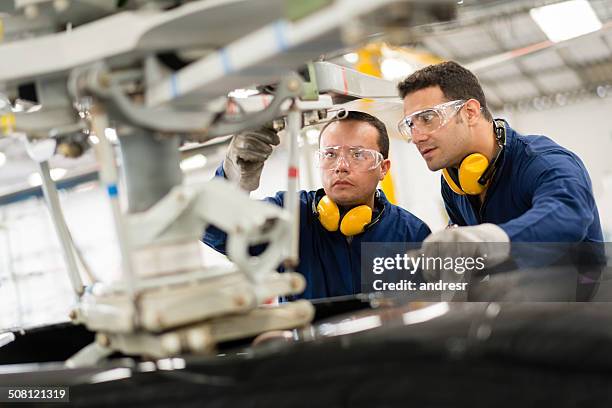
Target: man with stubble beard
[[336, 219]]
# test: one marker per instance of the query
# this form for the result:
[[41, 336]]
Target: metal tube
[[110, 178], [292, 203], [59, 223]]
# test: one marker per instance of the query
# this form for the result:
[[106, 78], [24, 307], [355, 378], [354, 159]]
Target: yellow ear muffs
[[451, 183], [329, 214], [470, 171], [353, 222]]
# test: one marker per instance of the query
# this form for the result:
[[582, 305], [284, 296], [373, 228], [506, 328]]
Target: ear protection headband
[[475, 171], [354, 222]]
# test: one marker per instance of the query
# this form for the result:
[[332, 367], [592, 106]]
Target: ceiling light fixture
[[569, 19]]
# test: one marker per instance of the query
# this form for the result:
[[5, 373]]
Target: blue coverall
[[541, 192], [329, 261]]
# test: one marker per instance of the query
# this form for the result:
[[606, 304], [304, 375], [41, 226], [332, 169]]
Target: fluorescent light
[[351, 57], [194, 162], [569, 19], [393, 69], [2, 159]]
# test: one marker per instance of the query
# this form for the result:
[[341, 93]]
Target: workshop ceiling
[[515, 60]]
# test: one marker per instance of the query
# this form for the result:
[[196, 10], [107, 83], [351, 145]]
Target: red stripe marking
[[344, 81], [293, 172]]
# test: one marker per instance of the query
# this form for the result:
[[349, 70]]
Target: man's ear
[[384, 168], [472, 110]]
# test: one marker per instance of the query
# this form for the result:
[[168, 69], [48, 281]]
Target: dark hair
[[383, 136], [455, 82]]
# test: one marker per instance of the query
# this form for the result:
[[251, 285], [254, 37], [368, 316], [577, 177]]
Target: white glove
[[485, 241], [246, 155]]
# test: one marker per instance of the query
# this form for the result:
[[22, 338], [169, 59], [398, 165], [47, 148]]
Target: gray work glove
[[246, 156], [483, 245], [484, 240]]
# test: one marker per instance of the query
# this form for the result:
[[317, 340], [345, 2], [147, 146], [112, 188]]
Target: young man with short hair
[[499, 186], [347, 211], [514, 187]]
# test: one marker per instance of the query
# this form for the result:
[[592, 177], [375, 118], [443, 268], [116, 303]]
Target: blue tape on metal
[[112, 190], [225, 60], [279, 33]]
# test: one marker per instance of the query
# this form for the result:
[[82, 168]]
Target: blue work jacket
[[541, 192], [331, 262]]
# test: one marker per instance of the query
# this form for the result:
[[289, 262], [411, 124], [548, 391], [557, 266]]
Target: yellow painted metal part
[[369, 63]]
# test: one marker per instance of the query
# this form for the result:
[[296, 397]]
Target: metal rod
[[110, 179], [59, 223], [292, 203]]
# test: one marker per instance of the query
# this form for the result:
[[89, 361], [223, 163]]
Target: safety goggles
[[429, 120], [358, 158]]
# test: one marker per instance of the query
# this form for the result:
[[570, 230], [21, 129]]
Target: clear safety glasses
[[429, 120], [357, 158]]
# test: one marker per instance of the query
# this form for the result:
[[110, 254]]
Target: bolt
[[198, 339], [71, 150], [73, 314], [61, 5], [239, 301], [103, 340], [104, 80], [293, 85]]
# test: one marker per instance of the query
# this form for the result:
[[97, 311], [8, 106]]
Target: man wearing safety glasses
[[497, 185], [347, 211]]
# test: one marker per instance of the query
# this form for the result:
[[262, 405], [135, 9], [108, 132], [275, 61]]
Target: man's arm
[[216, 239], [243, 164], [562, 201]]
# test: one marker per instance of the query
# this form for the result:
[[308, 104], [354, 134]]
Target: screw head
[[103, 340], [293, 85]]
